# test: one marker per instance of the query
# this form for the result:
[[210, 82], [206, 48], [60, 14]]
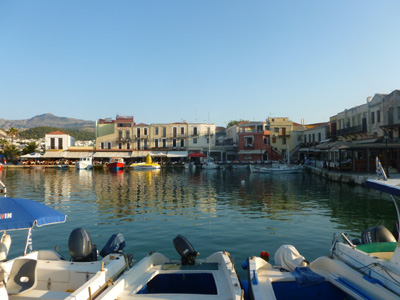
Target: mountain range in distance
[[49, 120]]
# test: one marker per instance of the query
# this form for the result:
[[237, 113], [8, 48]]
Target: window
[[156, 143], [182, 130], [164, 131], [313, 137], [276, 130], [305, 139], [273, 140], [319, 136], [194, 140], [119, 145], [195, 128], [60, 143], [145, 145], [52, 143], [138, 132], [173, 143], [283, 141], [120, 134], [164, 142], [156, 130], [128, 146], [248, 141], [145, 131], [265, 141], [378, 116], [109, 145], [372, 117], [127, 134], [182, 143], [174, 131], [102, 145], [138, 144]]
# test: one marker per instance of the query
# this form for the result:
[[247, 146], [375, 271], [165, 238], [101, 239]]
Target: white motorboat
[[158, 277], [283, 169], [85, 163], [45, 274], [377, 254], [294, 278], [210, 165]]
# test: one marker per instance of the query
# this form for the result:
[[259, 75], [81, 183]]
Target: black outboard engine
[[185, 250], [80, 246], [115, 244], [377, 234]]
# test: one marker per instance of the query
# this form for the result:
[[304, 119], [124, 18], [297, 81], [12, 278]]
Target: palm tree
[[30, 148], [3, 142], [13, 132], [11, 152]]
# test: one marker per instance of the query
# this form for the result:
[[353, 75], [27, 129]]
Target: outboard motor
[[185, 250], [80, 246], [377, 234], [115, 244]]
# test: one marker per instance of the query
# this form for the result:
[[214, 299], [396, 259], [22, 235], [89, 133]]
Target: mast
[[209, 139]]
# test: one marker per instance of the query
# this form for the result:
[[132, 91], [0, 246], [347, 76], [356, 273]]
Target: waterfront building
[[254, 142], [285, 135], [202, 137], [141, 137], [114, 134], [58, 140]]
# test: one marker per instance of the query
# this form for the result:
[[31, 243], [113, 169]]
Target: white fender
[[5, 244]]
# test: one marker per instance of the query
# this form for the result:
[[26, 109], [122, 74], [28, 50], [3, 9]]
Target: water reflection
[[231, 210]]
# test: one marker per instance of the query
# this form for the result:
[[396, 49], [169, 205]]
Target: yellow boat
[[148, 165]]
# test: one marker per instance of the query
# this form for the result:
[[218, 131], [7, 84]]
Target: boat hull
[[331, 280], [115, 166]]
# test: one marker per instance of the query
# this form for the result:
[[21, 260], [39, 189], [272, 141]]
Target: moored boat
[[116, 163], [45, 274], [377, 254], [294, 278], [283, 169], [158, 277], [148, 165], [85, 163]]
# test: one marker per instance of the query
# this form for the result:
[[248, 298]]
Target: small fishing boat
[[294, 278], [282, 169], [116, 163], [377, 254], [148, 165], [158, 277], [85, 163], [45, 274]]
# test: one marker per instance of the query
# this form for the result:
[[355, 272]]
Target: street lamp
[[386, 137]]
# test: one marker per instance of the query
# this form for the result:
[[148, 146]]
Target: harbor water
[[229, 209]]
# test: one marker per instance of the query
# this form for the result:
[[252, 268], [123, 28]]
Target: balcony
[[352, 130], [124, 139]]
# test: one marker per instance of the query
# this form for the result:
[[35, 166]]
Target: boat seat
[[22, 276]]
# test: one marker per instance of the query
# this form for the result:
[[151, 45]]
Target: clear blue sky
[[172, 60]]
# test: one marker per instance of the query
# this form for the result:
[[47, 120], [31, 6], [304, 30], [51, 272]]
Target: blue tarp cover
[[305, 277]]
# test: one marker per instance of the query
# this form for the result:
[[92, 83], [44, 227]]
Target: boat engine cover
[[80, 245], [185, 250], [377, 234], [115, 244], [288, 258]]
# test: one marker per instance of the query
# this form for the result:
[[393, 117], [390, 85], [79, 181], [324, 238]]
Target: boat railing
[[3, 189]]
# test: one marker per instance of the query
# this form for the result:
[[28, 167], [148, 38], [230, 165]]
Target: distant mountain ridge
[[49, 120]]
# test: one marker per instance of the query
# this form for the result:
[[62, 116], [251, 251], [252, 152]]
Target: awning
[[158, 153], [78, 154], [140, 153], [251, 152], [55, 154], [112, 154], [367, 141], [173, 154]]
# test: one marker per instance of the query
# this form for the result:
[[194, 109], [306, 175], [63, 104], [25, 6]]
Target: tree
[[13, 132], [11, 152], [30, 148], [235, 122], [3, 142]]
